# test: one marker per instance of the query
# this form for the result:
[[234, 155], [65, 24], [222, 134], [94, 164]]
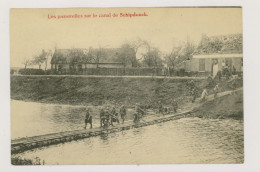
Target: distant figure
[[219, 75], [192, 84], [114, 116], [160, 107], [216, 90], [204, 94], [139, 112], [174, 105], [102, 117], [107, 117], [194, 95], [122, 112], [88, 119]]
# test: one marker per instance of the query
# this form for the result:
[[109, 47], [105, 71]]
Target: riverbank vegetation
[[111, 91], [23, 161], [230, 106]]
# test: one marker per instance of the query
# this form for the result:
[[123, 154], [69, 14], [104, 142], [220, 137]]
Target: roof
[[222, 44], [215, 56]]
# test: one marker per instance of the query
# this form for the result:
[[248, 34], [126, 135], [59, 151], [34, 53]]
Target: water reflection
[[30, 119], [188, 140]]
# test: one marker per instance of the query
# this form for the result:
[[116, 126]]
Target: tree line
[[39, 60], [138, 53]]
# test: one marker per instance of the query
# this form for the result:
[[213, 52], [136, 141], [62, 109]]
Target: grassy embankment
[[230, 106], [97, 91], [110, 91]]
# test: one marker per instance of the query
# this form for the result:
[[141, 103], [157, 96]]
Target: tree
[[175, 53], [189, 49], [88, 55], [126, 55], [26, 62], [152, 57], [49, 53], [180, 53], [38, 60]]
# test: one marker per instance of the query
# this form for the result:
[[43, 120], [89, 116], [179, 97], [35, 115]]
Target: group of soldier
[[204, 93], [110, 115], [165, 110], [107, 116]]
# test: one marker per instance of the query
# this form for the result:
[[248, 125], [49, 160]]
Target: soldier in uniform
[[194, 95], [122, 112], [107, 116], [204, 94], [216, 90], [88, 119], [102, 117], [139, 112]]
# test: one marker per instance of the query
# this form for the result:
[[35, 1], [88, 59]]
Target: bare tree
[[26, 62], [136, 45], [189, 49], [40, 59], [49, 53], [171, 57], [180, 53], [88, 56]]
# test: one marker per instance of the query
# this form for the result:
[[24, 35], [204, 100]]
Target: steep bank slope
[[97, 91], [230, 106]]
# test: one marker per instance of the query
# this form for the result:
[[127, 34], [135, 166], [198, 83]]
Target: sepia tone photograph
[[95, 86]]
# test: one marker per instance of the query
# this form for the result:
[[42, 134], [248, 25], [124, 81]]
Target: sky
[[32, 30]]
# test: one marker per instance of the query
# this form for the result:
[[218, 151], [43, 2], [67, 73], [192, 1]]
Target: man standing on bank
[[88, 119]]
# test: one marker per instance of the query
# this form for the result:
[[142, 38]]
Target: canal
[[187, 140]]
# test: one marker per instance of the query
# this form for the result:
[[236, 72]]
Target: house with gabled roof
[[215, 53]]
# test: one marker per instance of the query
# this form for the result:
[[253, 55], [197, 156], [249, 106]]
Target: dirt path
[[110, 76]]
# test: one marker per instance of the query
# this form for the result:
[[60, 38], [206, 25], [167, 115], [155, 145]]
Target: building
[[79, 60], [214, 54], [211, 64]]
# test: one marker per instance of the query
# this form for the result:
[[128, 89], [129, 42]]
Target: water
[[32, 119], [187, 140]]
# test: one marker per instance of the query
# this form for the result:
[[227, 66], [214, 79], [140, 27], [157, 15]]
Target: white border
[[251, 33]]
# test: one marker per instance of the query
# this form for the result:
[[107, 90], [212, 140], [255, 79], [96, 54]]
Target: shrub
[[23, 161], [31, 72]]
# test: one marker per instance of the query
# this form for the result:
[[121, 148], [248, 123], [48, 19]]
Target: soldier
[[102, 117], [88, 119], [113, 115], [113, 111], [107, 117], [216, 90], [204, 94], [139, 111], [192, 84], [122, 112], [194, 95]]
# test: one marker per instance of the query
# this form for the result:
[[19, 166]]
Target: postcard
[[95, 86]]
